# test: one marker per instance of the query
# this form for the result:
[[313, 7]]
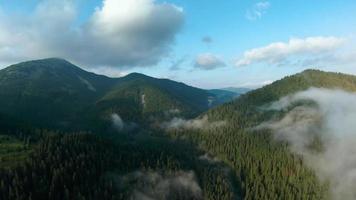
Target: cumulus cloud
[[159, 185], [208, 61], [199, 123], [281, 52], [119, 33], [319, 125], [258, 10]]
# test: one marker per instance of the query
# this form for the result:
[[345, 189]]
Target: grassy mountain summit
[[55, 93]]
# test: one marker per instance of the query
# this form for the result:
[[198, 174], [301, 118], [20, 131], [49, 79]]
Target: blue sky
[[283, 37]]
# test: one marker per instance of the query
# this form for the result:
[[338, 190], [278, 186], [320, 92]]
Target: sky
[[204, 43]]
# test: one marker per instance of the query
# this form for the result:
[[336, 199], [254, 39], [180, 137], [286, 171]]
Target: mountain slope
[[154, 96], [265, 167], [49, 90], [288, 85]]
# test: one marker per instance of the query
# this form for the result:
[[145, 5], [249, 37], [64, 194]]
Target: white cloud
[[258, 10], [280, 52], [119, 33], [208, 61]]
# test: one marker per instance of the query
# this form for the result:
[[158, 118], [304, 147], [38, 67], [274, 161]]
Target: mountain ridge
[[64, 92]]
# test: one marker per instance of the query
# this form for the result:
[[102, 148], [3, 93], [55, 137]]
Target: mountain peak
[[309, 71], [48, 61], [136, 75], [53, 59], [48, 64]]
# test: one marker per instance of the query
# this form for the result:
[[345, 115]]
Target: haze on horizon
[[206, 44]]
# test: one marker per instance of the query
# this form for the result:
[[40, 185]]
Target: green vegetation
[[85, 166], [224, 162], [72, 99], [13, 151], [265, 168]]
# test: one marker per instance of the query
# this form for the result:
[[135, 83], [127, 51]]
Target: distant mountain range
[[237, 90], [228, 94], [57, 94]]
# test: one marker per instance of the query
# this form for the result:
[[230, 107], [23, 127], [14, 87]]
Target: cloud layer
[[281, 52], [119, 33], [208, 61], [329, 122]]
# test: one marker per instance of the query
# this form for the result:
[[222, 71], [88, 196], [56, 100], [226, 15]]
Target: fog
[[198, 123], [161, 186], [118, 123], [327, 116]]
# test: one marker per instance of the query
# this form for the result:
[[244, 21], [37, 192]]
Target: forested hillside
[[265, 168], [53, 165], [224, 157]]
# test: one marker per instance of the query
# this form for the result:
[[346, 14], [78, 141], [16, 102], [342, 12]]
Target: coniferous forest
[[139, 137]]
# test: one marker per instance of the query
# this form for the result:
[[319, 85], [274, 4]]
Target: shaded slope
[[49, 91]]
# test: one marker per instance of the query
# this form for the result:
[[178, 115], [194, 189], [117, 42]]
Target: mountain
[[55, 93], [288, 85], [49, 91], [265, 167], [224, 95], [230, 160], [54, 96]]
